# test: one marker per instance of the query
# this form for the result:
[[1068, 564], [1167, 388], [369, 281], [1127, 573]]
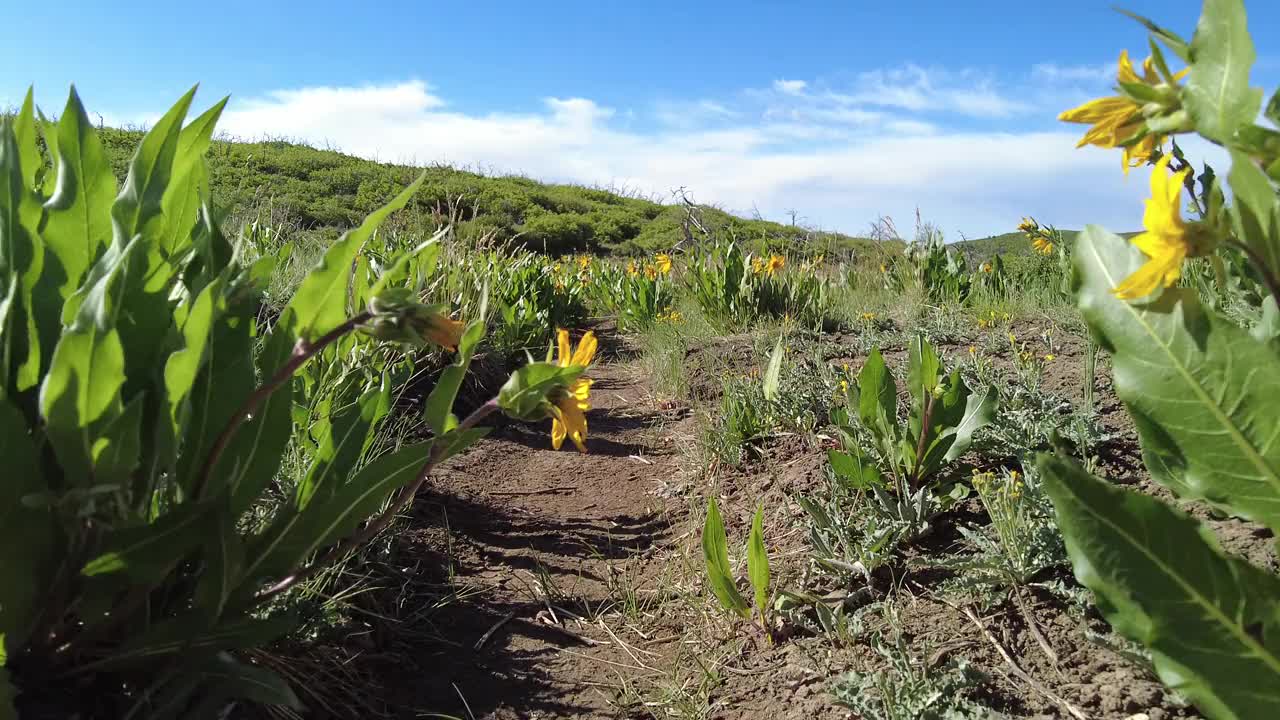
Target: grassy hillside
[[326, 191], [1010, 243]]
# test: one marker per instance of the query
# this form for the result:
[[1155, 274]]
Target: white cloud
[[790, 87], [1099, 73], [841, 171], [918, 89]]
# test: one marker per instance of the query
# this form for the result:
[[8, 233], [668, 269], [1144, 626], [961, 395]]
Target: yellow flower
[[442, 331], [1049, 357], [1028, 225], [973, 351], [986, 267], [663, 261], [844, 386], [1165, 240], [650, 272], [1117, 119], [883, 269], [584, 262], [631, 268], [757, 265], [1042, 245], [868, 316], [570, 404], [776, 263]]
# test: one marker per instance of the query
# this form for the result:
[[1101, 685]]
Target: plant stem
[[302, 352], [381, 522]]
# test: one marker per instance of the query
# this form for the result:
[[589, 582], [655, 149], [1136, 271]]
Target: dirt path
[[539, 545]]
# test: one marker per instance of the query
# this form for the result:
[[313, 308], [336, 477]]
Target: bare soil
[[533, 583]]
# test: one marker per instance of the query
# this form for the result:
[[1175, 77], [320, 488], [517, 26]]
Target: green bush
[[145, 414]]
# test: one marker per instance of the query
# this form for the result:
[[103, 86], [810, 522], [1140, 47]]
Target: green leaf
[[27, 533], [291, 541], [319, 305], [187, 635], [117, 449], [226, 678], [924, 369], [853, 468], [877, 395], [715, 552], [979, 411], [24, 131], [773, 373], [524, 395], [141, 200], [347, 436], [252, 458], [1272, 110], [189, 186], [1217, 93], [21, 263], [79, 212], [223, 562], [425, 253], [1169, 38], [758, 561], [146, 553], [1255, 214], [183, 366], [1161, 579], [1200, 389]]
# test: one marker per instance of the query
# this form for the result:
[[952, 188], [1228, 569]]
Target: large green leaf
[[223, 562], [252, 458], [189, 187], [299, 534], [1217, 93], [715, 553], [146, 553], [21, 258], [320, 303], [1201, 390], [773, 373], [79, 212], [150, 170], [1255, 214], [1161, 579], [979, 411], [438, 410], [877, 396], [26, 531], [346, 437], [758, 561]]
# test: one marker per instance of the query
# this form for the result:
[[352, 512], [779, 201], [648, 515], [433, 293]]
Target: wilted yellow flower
[[1117, 119], [570, 404], [986, 267], [663, 262], [650, 272], [1165, 240], [442, 331]]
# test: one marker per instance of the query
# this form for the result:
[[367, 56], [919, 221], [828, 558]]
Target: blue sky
[[840, 111]]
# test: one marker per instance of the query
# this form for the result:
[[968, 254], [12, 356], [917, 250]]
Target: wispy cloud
[[841, 164], [1053, 72]]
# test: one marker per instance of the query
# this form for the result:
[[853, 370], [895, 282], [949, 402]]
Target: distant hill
[[1010, 244], [325, 191]]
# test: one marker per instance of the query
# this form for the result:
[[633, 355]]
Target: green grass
[[323, 192]]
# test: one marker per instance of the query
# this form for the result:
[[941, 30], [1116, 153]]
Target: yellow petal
[[586, 351], [1124, 69], [581, 391], [1158, 271], [557, 433], [1098, 109], [574, 424], [562, 339]]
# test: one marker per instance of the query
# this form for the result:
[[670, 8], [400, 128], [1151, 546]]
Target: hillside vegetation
[[325, 191]]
